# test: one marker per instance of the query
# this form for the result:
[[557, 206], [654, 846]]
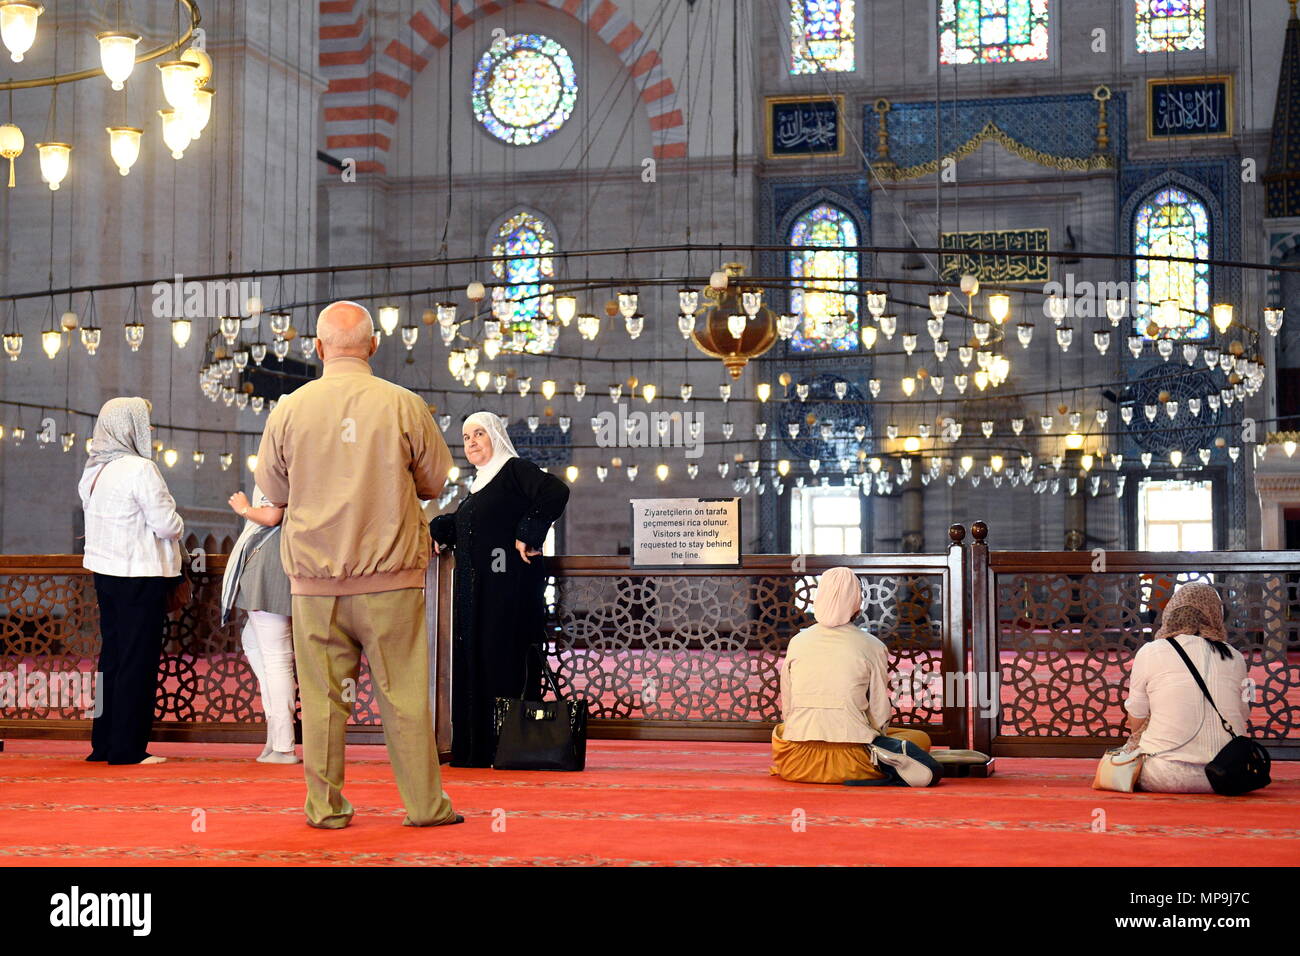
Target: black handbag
[[1242, 765], [541, 734]]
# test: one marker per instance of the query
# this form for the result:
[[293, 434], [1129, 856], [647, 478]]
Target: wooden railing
[[1056, 632], [1023, 653]]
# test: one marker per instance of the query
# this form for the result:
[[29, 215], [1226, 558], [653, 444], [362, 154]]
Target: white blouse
[[1183, 726], [132, 528]]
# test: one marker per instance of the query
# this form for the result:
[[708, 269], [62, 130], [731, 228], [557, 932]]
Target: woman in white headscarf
[[133, 547], [256, 583], [498, 605], [835, 702]]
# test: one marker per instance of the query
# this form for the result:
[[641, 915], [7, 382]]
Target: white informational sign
[[685, 532]]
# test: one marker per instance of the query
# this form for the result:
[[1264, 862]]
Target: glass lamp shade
[[181, 332], [308, 345], [548, 389], [999, 307], [688, 300], [648, 392], [178, 78], [11, 146], [55, 159], [938, 304], [51, 342], [566, 307], [170, 457], [627, 303], [117, 56], [869, 335], [176, 132], [134, 332], [199, 112], [257, 352], [389, 316], [91, 336], [124, 146], [280, 322], [1222, 313], [1272, 317], [18, 26], [229, 325], [280, 347], [1025, 333]]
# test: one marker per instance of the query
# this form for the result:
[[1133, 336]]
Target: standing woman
[[133, 547], [498, 604], [255, 582]]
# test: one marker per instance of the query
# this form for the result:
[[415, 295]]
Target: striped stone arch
[[365, 92]]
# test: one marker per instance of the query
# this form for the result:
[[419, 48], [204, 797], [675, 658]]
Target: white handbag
[[1119, 770]]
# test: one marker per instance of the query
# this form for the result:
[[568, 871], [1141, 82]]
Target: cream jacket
[[349, 457], [835, 685]]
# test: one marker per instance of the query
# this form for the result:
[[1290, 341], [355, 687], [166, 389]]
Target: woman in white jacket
[[1172, 722], [133, 547], [835, 703]]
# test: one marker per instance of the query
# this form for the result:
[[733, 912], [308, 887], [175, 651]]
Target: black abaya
[[498, 605]]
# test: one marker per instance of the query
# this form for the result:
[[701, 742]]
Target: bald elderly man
[[349, 457]]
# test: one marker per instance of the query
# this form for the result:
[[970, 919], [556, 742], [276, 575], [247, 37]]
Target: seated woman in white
[[835, 702], [1172, 722]]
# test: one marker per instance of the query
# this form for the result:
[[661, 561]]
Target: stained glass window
[[821, 36], [829, 286], [1173, 223], [524, 88], [525, 297], [992, 31], [1165, 25]]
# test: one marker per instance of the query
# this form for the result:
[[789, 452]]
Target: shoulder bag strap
[[1201, 684]]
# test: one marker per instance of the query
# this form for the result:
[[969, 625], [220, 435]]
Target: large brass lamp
[[712, 335]]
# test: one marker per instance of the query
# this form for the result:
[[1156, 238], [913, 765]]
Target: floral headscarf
[[1195, 608]]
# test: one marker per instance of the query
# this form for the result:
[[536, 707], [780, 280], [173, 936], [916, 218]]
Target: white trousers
[[268, 643], [1173, 776]]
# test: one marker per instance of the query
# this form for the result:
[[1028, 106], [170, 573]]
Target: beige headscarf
[[1195, 608], [839, 597]]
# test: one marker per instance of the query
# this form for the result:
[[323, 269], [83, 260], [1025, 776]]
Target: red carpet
[[637, 804]]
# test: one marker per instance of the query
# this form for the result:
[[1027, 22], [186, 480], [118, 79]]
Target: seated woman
[[1172, 722], [835, 702]]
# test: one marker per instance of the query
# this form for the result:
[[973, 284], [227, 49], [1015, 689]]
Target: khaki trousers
[[329, 634]]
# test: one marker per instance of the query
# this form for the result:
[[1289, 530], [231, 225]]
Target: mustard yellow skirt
[[819, 761]]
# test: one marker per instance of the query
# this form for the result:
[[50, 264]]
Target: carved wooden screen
[[49, 642], [697, 653], [1061, 629]]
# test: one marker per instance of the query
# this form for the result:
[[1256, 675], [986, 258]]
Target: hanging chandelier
[[185, 80], [736, 327]]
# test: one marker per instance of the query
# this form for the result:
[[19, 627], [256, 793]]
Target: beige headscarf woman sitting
[[835, 699]]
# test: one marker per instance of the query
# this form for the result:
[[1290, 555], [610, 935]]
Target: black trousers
[[132, 613]]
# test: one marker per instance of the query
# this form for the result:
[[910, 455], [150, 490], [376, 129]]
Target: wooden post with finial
[[984, 651]]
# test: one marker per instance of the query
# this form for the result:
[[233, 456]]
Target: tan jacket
[[835, 685], [350, 456]]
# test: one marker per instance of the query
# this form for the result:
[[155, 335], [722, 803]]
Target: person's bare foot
[[153, 759]]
